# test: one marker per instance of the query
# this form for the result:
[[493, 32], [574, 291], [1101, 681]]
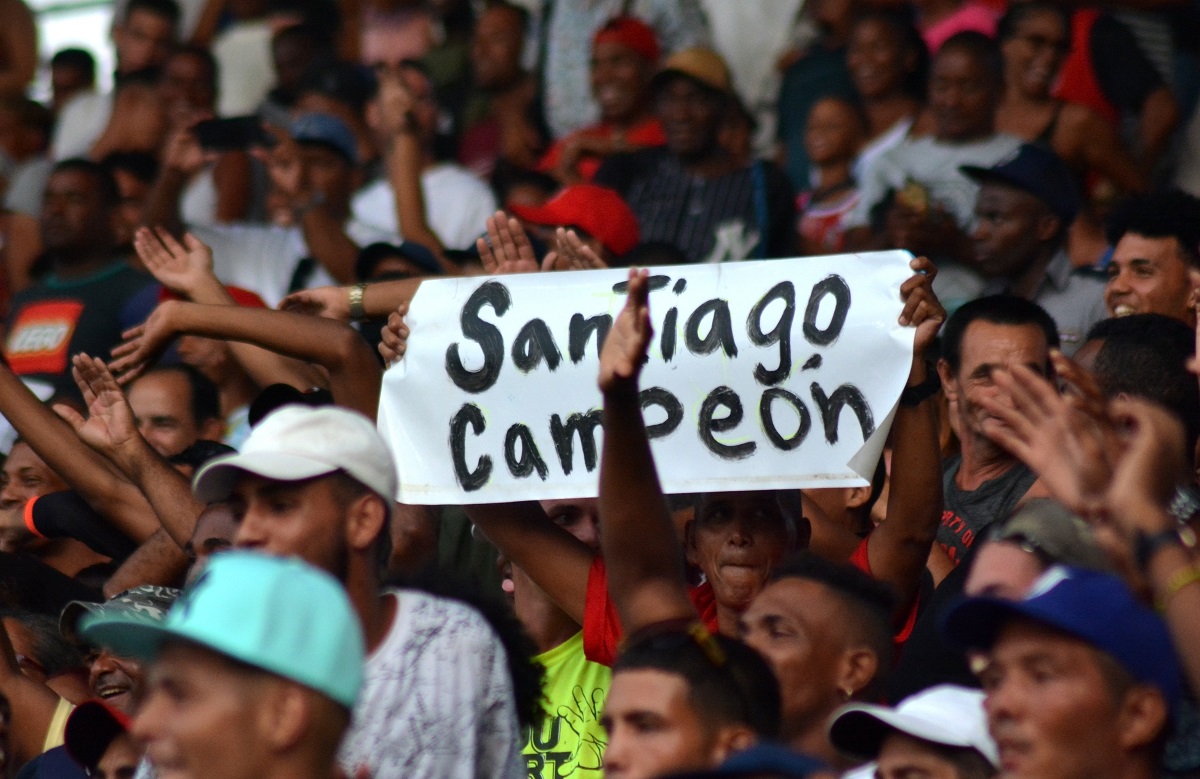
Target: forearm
[[899, 548], [354, 373], [159, 561], [554, 559], [645, 576], [162, 202], [169, 493], [404, 163], [263, 366], [33, 705], [326, 238], [1169, 567], [1160, 115]]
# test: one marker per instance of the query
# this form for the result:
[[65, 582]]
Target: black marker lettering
[[723, 396], [831, 409], [655, 282], [469, 480], [490, 293], [830, 285], [534, 344], [720, 332], [581, 329], [780, 334], [530, 459], [657, 396], [768, 418], [564, 438]]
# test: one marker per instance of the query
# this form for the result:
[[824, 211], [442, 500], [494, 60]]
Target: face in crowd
[[1060, 709], [1012, 230], [162, 408], [962, 95], [989, 347], [1150, 276], [691, 116]]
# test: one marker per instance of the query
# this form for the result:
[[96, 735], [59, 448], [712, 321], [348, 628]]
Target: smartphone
[[234, 134]]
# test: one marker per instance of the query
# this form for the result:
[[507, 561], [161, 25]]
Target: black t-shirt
[[968, 513], [927, 659], [1125, 74], [30, 584], [747, 214], [56, 319]]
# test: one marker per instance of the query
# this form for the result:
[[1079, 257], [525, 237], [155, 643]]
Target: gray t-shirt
[[968, 513]]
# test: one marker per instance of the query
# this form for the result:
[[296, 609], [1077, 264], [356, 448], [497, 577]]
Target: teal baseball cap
[[278, 614]]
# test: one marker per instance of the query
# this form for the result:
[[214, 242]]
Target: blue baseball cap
[[277, 614], [1035, 169], [327, 130], [1097, 608]]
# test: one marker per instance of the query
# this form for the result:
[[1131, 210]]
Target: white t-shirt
[[245, 69], [437, 700], [457, 205], [82, 120], [934, 165], [264, 259]]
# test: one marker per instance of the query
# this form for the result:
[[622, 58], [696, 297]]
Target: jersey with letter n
[[57, 319]]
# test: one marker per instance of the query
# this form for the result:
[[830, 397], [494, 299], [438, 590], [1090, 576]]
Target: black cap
[[1035, 169]]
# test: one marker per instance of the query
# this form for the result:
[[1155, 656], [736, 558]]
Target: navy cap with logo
[[1035, 169]]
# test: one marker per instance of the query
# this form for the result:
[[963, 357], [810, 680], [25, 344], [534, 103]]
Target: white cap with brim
[[296, 442], [947, 715]]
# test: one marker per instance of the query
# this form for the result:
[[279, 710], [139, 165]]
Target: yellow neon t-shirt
[[570, 741]]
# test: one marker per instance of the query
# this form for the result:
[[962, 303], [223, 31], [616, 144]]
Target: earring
[[848, 693]]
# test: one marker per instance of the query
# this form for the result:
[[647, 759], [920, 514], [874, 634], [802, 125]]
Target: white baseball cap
[[298, 442], [947, 714]]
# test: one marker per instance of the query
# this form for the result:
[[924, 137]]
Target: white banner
[[762, 375]]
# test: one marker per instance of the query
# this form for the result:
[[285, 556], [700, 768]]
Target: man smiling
[[1156, 240]]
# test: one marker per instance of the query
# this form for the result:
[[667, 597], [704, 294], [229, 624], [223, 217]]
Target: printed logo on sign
[[40, 337]]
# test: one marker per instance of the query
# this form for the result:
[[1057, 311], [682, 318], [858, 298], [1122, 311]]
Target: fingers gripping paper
[[761, 375]]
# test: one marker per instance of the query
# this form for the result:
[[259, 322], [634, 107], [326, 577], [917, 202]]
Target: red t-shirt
[[602, 631], [648, 133]]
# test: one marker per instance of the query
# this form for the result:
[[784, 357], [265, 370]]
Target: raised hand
[[571, 253], [1069, 447], [110, 425], [507, 248], [182, 268], [184, 154], [144, 344], [285, 168], [391, 112], [394, 337], [1154, 462], [624, 351], [922, 309]]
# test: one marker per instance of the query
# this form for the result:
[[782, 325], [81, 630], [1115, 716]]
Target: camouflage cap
[[148, 603]]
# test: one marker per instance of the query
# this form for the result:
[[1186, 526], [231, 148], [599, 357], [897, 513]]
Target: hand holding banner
[[761, 375]]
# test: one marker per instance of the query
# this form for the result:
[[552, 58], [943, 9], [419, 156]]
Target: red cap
[[243, 297], [598, 211], [90, 729], [630, 32]]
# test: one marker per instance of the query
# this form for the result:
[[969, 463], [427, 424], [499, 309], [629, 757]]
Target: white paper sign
[[762, 375]]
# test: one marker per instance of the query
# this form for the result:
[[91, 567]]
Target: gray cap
[[1055, 534]]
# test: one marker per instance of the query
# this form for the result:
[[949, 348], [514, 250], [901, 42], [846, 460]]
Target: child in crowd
[[836, 130]]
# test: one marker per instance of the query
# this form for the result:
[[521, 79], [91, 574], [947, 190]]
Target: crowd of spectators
[[205, 272]]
